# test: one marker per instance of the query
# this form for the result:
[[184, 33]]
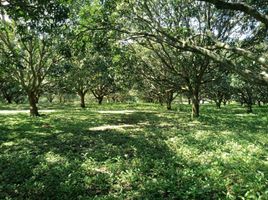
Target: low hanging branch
[[243, 7]]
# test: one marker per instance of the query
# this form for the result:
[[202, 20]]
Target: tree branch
[[243, 7]]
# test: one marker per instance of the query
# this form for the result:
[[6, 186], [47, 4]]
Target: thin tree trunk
[[169, 98], [249, 102], [82, 99], [218, 103], [33, 107], [168, 105], [50, 99], [249, 108], [195, 105], [61, 98], [189, 100]]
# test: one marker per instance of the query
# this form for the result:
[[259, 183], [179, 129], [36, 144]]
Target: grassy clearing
[[144, 152]]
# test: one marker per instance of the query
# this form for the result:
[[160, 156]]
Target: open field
[[134, 151]]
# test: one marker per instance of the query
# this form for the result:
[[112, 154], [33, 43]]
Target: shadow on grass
[[59, 157], [71, 162]]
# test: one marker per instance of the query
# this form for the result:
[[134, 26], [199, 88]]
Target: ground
[[133, 151]]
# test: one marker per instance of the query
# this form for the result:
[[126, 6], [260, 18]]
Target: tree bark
[[33, 107], [82, 99], [218, 103], [195, 105], [243, 7], [249, 101], [169, 99], [100, 99], [37, 99], [61, 98], [189, 100], [9, 100], [168, 105]]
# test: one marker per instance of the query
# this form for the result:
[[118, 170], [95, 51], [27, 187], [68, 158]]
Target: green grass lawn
[[134, 151]]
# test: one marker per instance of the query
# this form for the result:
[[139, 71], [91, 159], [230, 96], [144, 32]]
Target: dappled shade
[[168, 156]]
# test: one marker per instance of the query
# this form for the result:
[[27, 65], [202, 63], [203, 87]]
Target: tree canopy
[[191, 48]]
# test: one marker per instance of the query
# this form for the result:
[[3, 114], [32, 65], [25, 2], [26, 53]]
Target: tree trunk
[[169, 99], [168, 105], [100, 100], [36, 99], [249, 102], [249, 108], [82, 99], [218, 103], [33, 106], [61, 98], [160, 101], [50, 98], [189, 100], [195, 105], [9, 100]]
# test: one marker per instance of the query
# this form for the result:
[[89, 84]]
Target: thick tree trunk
[[9, 100], [100, 99], [33, 106]]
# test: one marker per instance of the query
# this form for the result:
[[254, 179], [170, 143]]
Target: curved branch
[[243, 7]]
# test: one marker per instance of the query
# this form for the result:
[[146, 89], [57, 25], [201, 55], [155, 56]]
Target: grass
[[145, 152]]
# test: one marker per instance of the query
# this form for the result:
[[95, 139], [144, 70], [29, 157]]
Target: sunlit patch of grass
[[148, 153], [53, 158]]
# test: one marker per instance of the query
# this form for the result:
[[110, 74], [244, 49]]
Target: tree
[[243, 7], [10, 90], [156, 75], [219, 88], [178, 26], [244, 92], [29, 40]]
